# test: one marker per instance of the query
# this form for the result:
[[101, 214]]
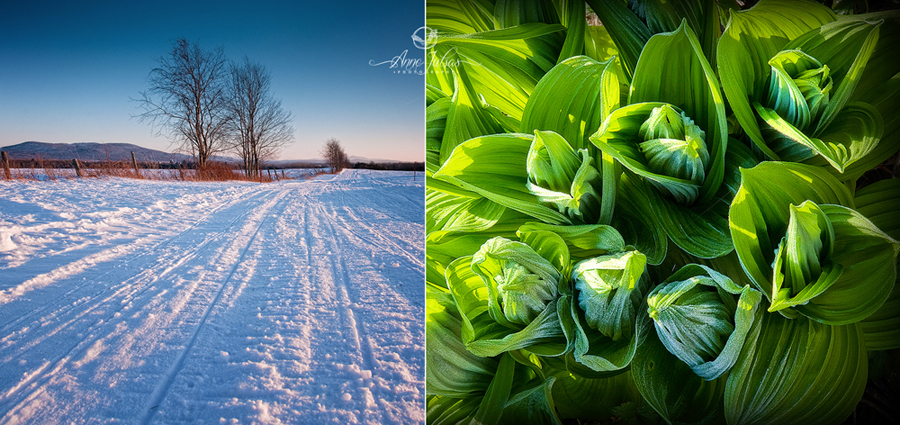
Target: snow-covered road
[[167, 302]]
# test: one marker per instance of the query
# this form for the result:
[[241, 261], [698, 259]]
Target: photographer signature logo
[[423, 38]]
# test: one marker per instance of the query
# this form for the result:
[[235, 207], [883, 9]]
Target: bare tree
[[334, 154], [187, 99], [258, 126]]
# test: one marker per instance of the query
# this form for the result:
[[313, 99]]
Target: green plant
[[663, 218]]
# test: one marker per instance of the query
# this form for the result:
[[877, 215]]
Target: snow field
[[169, 302]]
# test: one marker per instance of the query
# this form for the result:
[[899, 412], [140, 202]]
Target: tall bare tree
[[258, 126], [187, 99], [334, 154]]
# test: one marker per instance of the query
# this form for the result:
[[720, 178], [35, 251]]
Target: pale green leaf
[[494, 167], [573, 99], [796, 372], [750, 39]]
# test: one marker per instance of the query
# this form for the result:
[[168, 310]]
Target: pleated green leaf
[[701, 229], [452, 370], [592, 354], [609, 290], [482, 334], [631, 218], [504, 65], [868, 257], [855, 275], [759, 213], [510, 13], [673, 69], [573, 14], [572, 99], [628, 32], [494, 167], [796, 372], [460, 17], [845, 46], [532, 406], [698, 319], [583, 242], [671, 387], [565, 179], [467, 117], [593, 399], [435, 123], [750, 39]]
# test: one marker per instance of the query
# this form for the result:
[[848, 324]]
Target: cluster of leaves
[[657, 218]]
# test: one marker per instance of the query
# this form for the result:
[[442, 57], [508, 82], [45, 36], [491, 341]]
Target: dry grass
[[216, 171]]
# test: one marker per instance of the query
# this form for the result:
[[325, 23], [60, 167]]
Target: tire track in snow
[[160, 392], [33, 383], [85, 304], [135, 245]]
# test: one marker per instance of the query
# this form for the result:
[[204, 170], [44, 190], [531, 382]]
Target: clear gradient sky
[[68, 70]]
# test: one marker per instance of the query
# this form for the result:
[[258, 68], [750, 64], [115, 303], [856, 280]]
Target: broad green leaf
[[882, 64], [550, 246], [573, 99], [845, 46], [672, 69], [498, 393], [856, 273], [451, 208], [573, 14], [485, 336], [869, 260], [885, 98], [565, 179], [593, 354], [441, 410], [664, 16], [760, 211], [494, 167], [510, 13], [671, 387], [600, 342], [628, 32], [521, 283], [854, 136], [593, 399], [459, 17], [796, 372], [878, 202], [631, 218], [598, 45], [532, 406], [699, 228], [846, 141], [435, 122], [609, 291], [452, 370], [504, 65], [750, 39], [466, 118], [583, 242], [698, 319]]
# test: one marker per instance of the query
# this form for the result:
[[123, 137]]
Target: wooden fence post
[[6, 171], [77, 168], [134, 161]]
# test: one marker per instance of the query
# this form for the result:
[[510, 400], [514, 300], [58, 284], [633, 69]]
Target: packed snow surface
[[135, 301]]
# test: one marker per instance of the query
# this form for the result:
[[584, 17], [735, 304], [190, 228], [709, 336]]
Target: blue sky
[[68, 70]]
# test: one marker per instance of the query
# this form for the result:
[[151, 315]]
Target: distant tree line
[[207, 104], [398, 166]]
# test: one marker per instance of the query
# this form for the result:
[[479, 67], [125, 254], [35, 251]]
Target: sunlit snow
[[137, 301]]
